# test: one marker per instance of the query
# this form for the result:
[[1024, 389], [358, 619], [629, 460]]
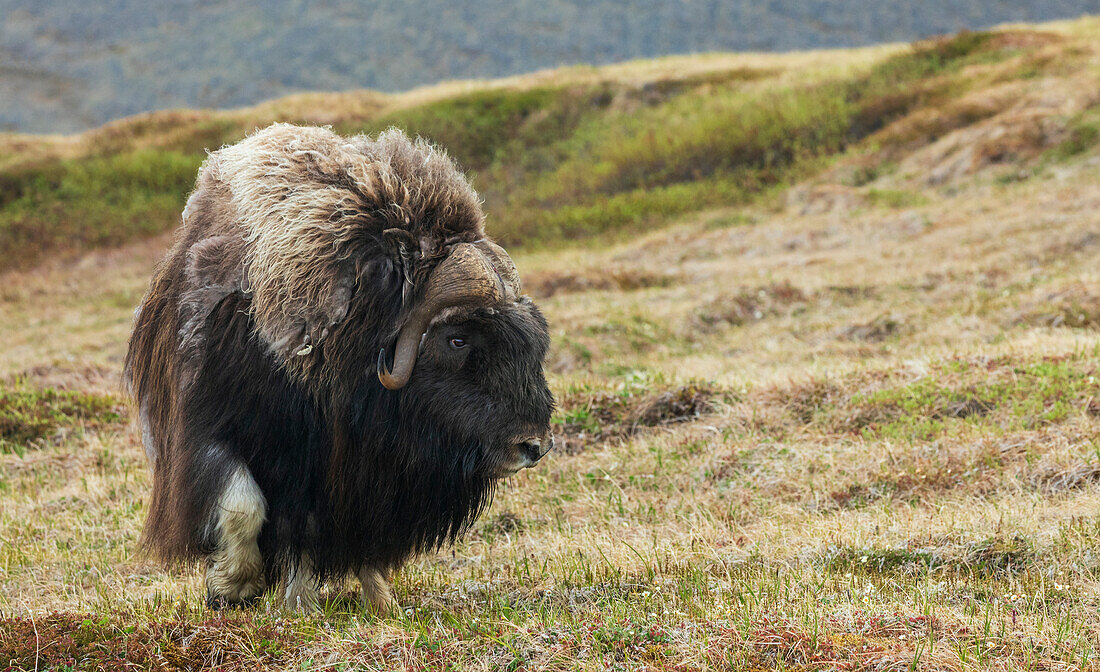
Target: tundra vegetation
[[825, 344]]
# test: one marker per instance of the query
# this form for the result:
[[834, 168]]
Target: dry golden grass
[[854, 427]]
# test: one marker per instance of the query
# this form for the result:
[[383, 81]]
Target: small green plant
[[896, 198], [1084, 135]]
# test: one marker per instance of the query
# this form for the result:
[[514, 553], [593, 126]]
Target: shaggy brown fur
[[299, 255], [300, 198]]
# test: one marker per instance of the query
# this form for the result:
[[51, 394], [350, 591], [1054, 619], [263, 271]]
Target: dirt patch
[[1023, 39], [929, 124], [678, 405], [817, 199], [1074, 307], [877, 330], [549, 283], [853, 293], [98, 379], [592, 417], [747, 305], [1015, 136], [1063, 479]]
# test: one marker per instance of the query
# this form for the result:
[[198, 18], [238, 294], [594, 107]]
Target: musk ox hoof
[[234, 581], [234, 572], [232, 588], [240, 599], [377, 594], [301, 599]]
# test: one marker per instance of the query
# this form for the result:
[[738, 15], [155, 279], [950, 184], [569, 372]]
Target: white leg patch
[[235, 573], [147, 433], [377, 593], [302, 587]]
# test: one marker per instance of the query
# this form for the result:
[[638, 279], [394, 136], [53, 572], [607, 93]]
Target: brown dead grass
[[878, 329], [64, 640]]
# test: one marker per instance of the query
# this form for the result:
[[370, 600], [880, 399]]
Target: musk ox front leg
[[302, 587], [234, 572], [377, 592]]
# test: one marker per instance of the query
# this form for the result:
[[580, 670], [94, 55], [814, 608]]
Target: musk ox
[[284, 447]]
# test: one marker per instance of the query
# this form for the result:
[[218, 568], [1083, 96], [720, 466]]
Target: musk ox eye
[[458, 343]]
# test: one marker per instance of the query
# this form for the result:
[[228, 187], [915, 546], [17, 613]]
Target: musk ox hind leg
[[234, 572], [377, 593]]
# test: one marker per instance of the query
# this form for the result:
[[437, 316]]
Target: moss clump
[[995, 556], [1007, 395], [1083, 136], [748, 305], [29, 417]]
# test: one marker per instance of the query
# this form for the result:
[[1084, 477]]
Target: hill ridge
[[575, 154], [127, 56]]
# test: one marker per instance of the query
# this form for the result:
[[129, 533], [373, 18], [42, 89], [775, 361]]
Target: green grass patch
[[995, 556], [30, 416], [1083, 136], [484, 127], [704, 148], [896, 198], [955, 397], [91, 202], [1015, 397]]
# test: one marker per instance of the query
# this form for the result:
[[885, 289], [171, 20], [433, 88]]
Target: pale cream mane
[[304, 196]]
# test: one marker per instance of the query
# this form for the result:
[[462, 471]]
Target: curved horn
[[465, 277], [503, 265]]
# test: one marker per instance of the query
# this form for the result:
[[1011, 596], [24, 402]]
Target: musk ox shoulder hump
[[307, 205]]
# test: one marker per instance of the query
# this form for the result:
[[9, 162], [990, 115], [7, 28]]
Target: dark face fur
[[480, 374]]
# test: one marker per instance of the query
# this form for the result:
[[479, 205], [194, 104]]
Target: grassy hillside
[[565, 156], [825, 341], [73, 66]]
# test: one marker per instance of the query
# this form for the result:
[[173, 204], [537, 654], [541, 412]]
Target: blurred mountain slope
[[68, 66]]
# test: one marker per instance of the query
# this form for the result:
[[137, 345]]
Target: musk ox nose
[[534, 449]]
